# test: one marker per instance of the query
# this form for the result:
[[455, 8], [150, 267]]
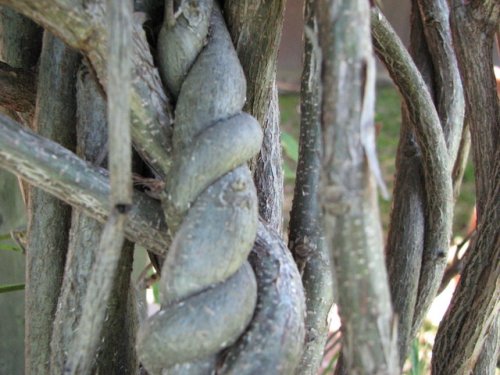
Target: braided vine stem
[[208, 289]]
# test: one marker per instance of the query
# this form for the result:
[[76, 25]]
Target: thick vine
[[208, 289]]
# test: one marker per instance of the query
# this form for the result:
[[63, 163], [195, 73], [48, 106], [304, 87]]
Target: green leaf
[[156, 292], [8, 247], [416, 366], [290, 146], [288, 172], [5, 288]]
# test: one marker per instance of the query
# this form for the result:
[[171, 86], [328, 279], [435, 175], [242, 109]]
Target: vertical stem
[[255, 29], [117, 353], [50, 218], [20, 44], [349, 197], [305, 237], [88, 337]]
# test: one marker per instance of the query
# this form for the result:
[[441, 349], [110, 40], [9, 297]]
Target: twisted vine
[[208, 289]]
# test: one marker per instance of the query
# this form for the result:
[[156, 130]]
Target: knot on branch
[[208, 289]]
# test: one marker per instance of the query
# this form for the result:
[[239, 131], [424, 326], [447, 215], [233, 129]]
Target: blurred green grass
[[388, 117]]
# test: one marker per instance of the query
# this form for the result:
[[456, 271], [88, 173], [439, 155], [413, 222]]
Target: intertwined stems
[[84, 345], [475, 303], [434, 198], [280, 307], [255, 28], [348, 192], [206, 280]]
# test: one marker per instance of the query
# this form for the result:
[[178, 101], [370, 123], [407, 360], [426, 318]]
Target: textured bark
[[449, 96], [49, 217], [306, 241], [17, 89], [84, 28], [255, 29], [85, 188], [273, 342], [475, 303], [116, 353], [20, 43], [436, 165], [407, 225], [487, 362], [21, 39], [58, 171], [215, 212], [473, 27], [12, 217], [348, 193], [105, 270]]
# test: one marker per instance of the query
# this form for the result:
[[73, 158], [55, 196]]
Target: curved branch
[[255, 29], [435, 160], [85, 30], [214, 218], [449, 91], [476, 301], [61, 173]]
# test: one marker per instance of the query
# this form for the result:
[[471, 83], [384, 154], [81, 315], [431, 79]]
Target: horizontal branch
[[85, 30], [58, 171], [17, 89]]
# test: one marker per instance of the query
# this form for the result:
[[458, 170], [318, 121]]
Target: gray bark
[[218, 211], [49, 217], [12, 216], [348, 193], [116, 353], [105, 270], [84, 28], [487, 362], [62, 174], [255, 29], [85, 187], [436, 164], [475, 303], [21, 39], [305, 237], [20, 43], [273, 342], [407, 225]]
